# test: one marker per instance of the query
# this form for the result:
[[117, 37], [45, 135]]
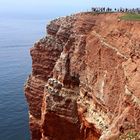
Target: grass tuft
[[130, 136]]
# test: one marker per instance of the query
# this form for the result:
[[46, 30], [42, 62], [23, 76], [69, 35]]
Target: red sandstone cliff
[[85, 80]]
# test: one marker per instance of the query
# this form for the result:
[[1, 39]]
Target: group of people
[[104, 9]]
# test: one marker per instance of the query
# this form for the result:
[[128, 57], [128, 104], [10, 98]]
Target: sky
[[58, 7]]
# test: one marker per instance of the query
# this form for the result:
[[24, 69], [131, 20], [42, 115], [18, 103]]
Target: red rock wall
[[85, 79]]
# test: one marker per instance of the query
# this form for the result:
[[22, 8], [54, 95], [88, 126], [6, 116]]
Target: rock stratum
[[85, 80]]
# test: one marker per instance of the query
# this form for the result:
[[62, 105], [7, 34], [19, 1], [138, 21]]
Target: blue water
[[16, 37]]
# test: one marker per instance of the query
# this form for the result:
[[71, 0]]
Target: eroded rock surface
[[85, 81]]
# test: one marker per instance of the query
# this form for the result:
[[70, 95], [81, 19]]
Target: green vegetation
[[130, 136], [131, 16]]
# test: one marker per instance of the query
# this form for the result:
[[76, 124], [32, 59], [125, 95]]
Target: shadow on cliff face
[[58, 128]]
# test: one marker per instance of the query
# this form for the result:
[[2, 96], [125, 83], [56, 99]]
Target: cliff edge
[[85, 80]]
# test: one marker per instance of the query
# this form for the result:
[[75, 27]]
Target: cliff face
[[85, 81]]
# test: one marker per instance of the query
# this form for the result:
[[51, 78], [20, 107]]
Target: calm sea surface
[[16, 37]]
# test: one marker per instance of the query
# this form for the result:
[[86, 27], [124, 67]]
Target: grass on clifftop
[[130, 16]]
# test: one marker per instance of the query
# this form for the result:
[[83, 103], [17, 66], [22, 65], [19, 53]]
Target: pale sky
[[59, 7]]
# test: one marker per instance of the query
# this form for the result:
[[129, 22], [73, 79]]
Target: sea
[[17, 36], [18, 33]]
